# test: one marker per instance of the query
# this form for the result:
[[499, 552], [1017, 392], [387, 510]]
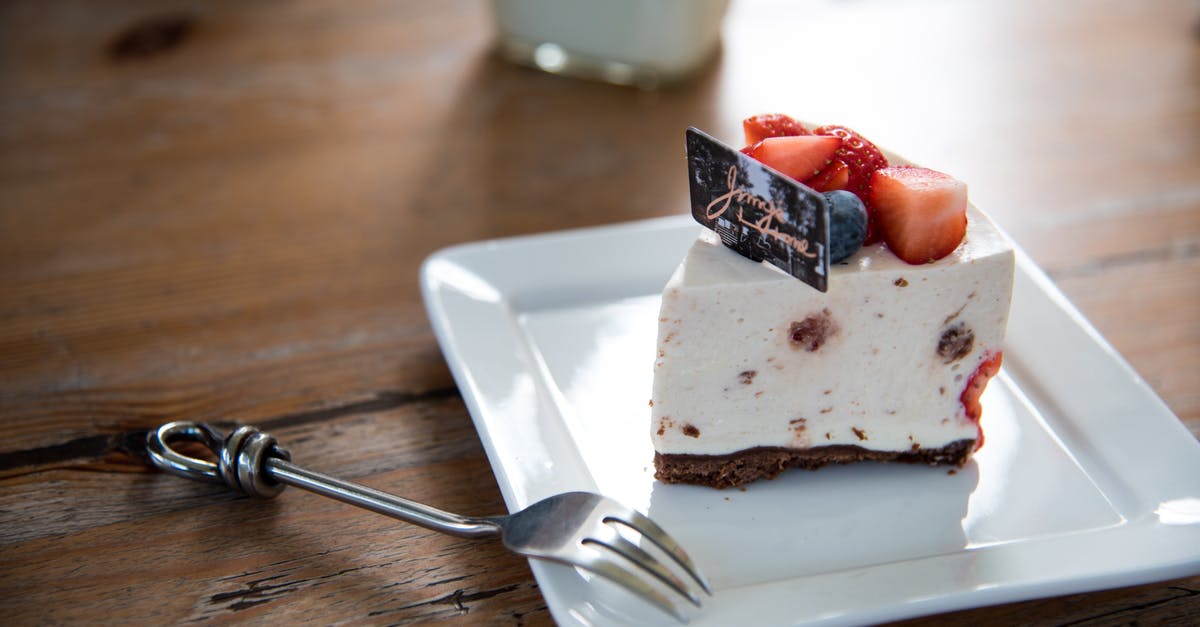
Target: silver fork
[[576, 528]]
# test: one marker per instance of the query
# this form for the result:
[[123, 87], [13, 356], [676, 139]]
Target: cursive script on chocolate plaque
[[771, 215], [758, 212]]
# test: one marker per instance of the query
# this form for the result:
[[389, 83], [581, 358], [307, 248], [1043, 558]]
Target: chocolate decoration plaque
[[758, 212]]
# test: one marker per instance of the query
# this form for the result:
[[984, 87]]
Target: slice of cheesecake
[[757, 372]]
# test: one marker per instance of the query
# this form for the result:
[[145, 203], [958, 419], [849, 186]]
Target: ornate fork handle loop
[[241, 457]]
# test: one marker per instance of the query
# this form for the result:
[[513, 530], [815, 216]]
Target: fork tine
[[597, 563], [636, 554], [638, 522]]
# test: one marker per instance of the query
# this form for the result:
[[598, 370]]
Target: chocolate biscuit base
[[763, 462]]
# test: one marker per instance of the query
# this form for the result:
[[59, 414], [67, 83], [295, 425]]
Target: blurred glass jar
[[644, 43]]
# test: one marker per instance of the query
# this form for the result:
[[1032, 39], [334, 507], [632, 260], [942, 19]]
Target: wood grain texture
[[217, 212]]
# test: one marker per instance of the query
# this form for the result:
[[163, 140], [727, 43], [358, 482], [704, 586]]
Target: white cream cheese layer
[[749, 356]]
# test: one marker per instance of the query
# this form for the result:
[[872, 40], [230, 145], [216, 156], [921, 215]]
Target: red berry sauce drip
[[975, 386]]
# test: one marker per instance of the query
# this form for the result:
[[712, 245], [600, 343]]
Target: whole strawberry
[[764, 125], [861, 158]]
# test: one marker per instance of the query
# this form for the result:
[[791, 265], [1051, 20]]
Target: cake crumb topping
[[901, 282], [859, 433], [691, 431], [747, 376]]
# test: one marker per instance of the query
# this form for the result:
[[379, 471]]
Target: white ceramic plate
[[1087, 480]]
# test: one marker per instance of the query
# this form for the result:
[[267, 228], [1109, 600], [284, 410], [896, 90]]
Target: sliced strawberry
[[921, 214], [760, 127], [835, 176], [975, 386], [800, 156], [862, 158]]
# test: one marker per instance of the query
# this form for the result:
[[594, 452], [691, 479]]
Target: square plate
[[1087, 480]]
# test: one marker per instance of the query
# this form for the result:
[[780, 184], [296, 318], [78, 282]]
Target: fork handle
[[251, 462], [378, 501]]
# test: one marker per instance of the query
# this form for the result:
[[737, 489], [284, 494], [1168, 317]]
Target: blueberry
[[847, 224]]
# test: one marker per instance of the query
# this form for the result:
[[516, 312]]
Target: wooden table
[[217, 212]]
